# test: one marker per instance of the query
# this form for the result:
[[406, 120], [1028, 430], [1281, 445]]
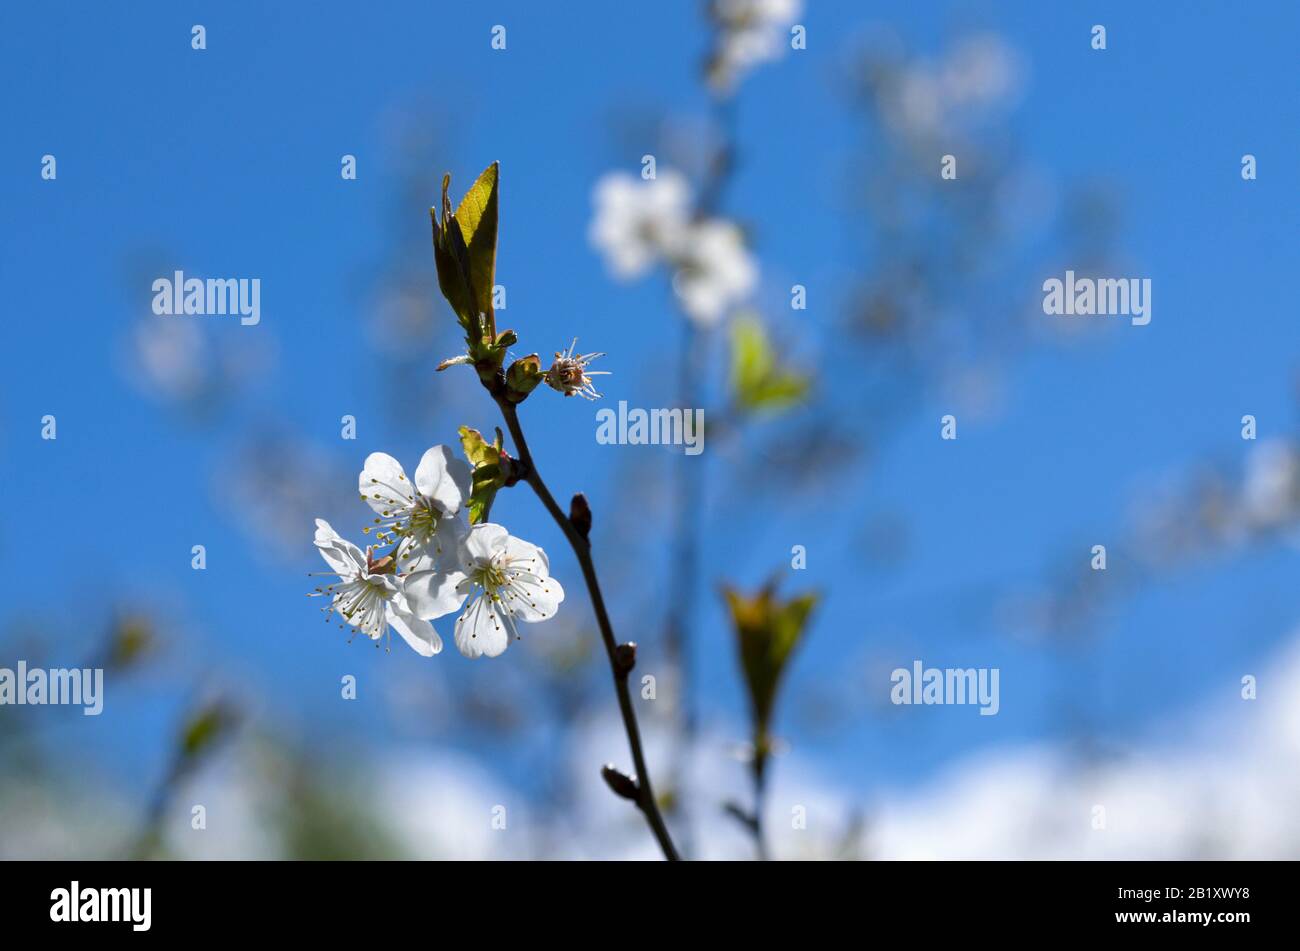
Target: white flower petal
[[416, 558], [518, 550], [344, 558], [533, 599], [432, 594], [483, 542], [480, 630], [448, 542], [388, 584], [325, 533], [441, 549], [443, 478], [365, 610], [424, 640], [384, 486]]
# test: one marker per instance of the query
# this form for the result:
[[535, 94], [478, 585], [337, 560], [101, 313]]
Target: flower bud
[[625, 657], [580, 514], [622, 784], [522, 377], [464, 253]]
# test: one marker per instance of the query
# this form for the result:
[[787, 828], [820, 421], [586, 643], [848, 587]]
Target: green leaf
[[487, 477], [480, 503], [767, 632], [131, 639], [452, 260], [477, 217], [757, 382], [478, 450], [205, 727], [465, 253]]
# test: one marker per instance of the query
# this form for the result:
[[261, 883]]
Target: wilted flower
[[569, 374]]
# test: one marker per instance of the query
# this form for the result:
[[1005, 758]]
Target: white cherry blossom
[[372, 597], [419, 517], [506, 580]]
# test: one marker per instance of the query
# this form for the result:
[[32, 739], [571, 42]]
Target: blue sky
[[225, 163]]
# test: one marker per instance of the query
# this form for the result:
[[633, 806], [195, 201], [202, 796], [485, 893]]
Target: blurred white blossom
[[923, 98], [1218, 510], [750, 32], [715, 271], [641, 223], [1270, 494], [448, 806], [184, 364], [171, 358]]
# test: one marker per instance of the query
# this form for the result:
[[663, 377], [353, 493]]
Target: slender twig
[[149, 837], [620, 662], [760, 804]]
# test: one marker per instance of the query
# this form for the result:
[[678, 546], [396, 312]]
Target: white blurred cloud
[[1226, 790]]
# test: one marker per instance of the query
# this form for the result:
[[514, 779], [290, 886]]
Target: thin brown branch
[[621, 657]]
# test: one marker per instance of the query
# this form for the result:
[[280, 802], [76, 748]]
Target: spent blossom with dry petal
[[569, 374]]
